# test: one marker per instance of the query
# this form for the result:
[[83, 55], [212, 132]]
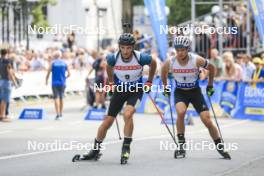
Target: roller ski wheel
[[125, 155], [124, 158], [76, 158], [91, 156], [179, 154], [222, 152]]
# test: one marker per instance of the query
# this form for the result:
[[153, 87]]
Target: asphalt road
[[148, 154]]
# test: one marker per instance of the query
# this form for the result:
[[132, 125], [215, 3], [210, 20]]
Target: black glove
[[167, 92], [210, 90]]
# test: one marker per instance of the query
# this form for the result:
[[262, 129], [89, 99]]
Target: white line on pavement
[[6, 131], [46, 128], [116, 141]]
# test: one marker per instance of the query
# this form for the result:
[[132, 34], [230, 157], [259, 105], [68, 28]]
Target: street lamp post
[[3, 20]]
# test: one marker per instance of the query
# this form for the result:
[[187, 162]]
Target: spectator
[[80, 61], [67, 56], [99, 67], [58, 68], [248, 68], [217, 62], [89, 58], [25, 60], [262, 55], [232, 70], [38, 62], [6, 78], [258, 75], [239, 59], [12, 60], [139, 37], [71, 40]]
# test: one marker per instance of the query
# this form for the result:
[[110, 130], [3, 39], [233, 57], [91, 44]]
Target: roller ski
[[180, 153], [124, 156], [225, 155], [125, 151], [222, 152], [92, 155]]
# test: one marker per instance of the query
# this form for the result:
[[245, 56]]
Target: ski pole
[[118, 130], [173, 128], [162, 118], [215, 118]]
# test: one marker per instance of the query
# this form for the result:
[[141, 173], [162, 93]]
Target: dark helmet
[[126, 39]]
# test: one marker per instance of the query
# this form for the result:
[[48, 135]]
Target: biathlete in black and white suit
[[185, 70], [124, 70]]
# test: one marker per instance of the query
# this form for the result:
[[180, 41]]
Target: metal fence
[[236, 20]]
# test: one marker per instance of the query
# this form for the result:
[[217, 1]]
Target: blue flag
[[156, 9], [257, 7]]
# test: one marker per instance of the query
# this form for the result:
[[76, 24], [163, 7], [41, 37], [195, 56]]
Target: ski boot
[[221, 150], [180, 151], [125, 155], [125, 150], [92, 155]]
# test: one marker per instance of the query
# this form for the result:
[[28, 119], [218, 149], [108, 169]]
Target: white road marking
[[46, 128], [6, 131], [116, 141], [76, 122]]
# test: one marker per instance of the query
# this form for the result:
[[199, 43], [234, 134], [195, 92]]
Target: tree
[[37, 13], [39, 19], [180, 10]]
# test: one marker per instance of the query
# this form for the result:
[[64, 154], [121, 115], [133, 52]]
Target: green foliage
[[180, 10], [37, 12], [137, 2]]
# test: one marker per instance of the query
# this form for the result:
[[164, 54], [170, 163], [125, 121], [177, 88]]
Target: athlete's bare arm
[[202, 62], [110, 73], [152, 69], [165, 71]]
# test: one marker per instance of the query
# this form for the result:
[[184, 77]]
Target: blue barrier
[[241, 100], [250, 102], [32, 114], [95, 114]]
